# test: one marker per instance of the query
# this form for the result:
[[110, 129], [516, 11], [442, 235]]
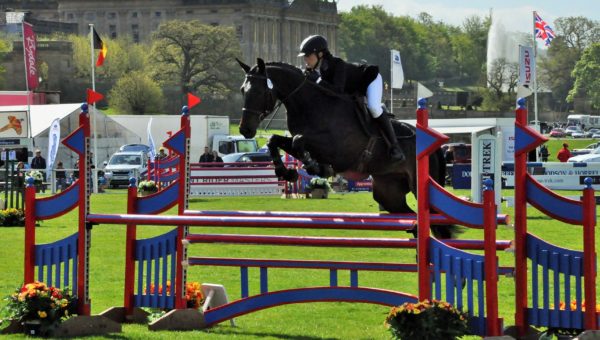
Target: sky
[[514, 14]]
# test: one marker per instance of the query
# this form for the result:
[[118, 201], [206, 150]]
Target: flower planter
[[319, 193], [33, 328], [146, 193]]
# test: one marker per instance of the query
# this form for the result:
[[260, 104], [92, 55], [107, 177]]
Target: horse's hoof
[[291, 176]]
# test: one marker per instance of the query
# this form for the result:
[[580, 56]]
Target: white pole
[[26, 84], [391, 81], [93, 110], [535, 89]]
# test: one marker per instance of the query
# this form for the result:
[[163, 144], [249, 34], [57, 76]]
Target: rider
[[335, 74]]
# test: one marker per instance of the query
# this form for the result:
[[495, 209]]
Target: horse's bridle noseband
[[271, 97], [269, 93]]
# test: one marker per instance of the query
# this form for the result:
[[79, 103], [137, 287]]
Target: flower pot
[[319, 193], [32, 328], [146, 193]]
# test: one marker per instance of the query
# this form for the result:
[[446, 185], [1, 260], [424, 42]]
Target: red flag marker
[[192, 100], [93, 96]]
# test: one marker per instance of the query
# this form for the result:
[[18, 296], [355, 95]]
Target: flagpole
[[29, 136], [535, 89], [94, 173], [391, 81]]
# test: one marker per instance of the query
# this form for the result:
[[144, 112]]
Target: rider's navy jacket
[[343, 77]]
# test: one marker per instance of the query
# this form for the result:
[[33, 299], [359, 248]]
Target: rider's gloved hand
[[313, 76]]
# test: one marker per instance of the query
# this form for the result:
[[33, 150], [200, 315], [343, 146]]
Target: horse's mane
[[286, 66]]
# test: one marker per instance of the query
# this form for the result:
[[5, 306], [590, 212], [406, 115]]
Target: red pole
[[589, 255], [29, 270], [182, 231], [130, 250], [521, 232], [83, 239], [423, 210], [491, 261]]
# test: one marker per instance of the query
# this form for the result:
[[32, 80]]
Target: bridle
[[270, 100]]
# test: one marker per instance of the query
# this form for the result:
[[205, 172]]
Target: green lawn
[[301, 321]]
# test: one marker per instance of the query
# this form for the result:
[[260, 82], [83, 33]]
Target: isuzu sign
[[526, 66]]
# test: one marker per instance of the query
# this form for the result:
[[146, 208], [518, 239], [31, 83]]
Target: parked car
[[247, 157], [135, 147], [125, 164], [590, 133], [578, 134], [571, 129], [591, 157], [596, 135], [557, 132], [586, 150]]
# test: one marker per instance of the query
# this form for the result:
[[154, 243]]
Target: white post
[[391, 81], [93, 112], [535, 89]]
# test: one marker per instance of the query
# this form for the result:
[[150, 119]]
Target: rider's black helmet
[[313, 44]]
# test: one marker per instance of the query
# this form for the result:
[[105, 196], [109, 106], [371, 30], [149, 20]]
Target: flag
[[543, 30], [192, 100], [29, 50], [53, 144], [93, 96], [397, 72], [526, 66], [152, 151], [99, 45]]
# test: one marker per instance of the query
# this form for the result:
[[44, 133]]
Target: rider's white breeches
[[374, 93]]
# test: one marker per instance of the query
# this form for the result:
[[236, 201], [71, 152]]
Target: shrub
[[427, 320]]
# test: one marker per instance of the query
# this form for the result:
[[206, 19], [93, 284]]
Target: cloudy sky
[[515, 13]]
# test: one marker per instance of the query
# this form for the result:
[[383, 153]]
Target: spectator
[[217, 159], [564, 154], [39, 163], [449, 155], [76, 171], [162, 154], [61, 177], [544, 153], [206, 157], [20, 175]]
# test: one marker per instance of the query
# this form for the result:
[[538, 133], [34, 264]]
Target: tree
[[587, 76], [123, 57], [502, 83], [5, 47], [574, 35], [196, 57], [136, 93]]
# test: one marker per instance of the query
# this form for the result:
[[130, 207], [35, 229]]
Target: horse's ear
[[244, 66], [261, 65]]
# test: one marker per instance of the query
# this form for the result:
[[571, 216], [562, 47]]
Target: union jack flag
[[543, 30]]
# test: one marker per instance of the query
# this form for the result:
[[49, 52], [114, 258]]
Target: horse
[[328, 136]]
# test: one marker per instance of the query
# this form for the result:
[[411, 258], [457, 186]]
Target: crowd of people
[[210, 157]]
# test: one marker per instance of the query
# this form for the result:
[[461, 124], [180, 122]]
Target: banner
[[526, 66], [13, 124], [53, 144], [397, 72], [29, 50], [152, 152]]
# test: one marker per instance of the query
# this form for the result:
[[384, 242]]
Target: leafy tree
[[5, 47], [574, 34], [587, 76], [136, 93], [123, 56], [196, 57], [502, 84]]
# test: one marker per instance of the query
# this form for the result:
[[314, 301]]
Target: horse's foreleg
[[275, 143], [310, 164]]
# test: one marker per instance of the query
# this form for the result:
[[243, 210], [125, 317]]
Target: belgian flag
[[99, 45]]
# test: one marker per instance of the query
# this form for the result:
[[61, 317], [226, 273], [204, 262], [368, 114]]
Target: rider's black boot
[[385, 125]]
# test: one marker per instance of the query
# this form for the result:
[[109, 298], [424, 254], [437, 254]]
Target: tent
[[34, 131]]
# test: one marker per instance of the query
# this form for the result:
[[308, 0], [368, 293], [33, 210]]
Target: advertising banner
[[30, 50], [14, 124]]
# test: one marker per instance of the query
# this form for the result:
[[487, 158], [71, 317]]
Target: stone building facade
[[270, 29]]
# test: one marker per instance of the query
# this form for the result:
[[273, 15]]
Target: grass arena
[[332, 320]]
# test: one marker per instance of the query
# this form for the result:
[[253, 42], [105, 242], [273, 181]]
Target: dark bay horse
[[327, 132]]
